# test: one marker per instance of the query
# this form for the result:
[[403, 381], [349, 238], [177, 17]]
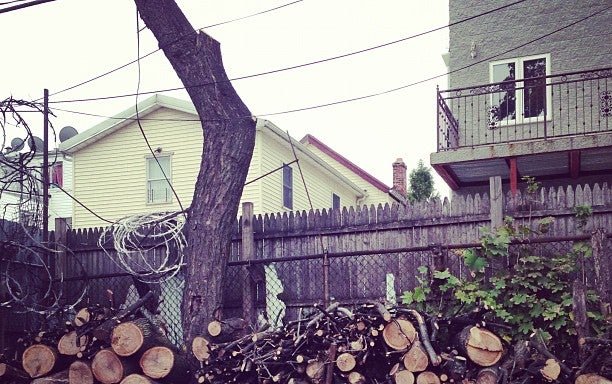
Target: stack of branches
[[100, 344], [373, 343]]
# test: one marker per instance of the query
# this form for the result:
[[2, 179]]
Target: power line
[[343, 101], [175, 41], [278, 70], [178, 200], [23, 5]]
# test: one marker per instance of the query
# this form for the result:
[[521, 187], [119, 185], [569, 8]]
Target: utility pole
[[45, 170]]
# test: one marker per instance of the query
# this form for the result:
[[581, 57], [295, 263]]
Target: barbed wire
[[148, 246]]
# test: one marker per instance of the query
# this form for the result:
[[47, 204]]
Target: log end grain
[[482, 346], [427, 377], [137, 379], [200, 348], [592, 378], [157, 362], [416, 360], [399, 334], [403, 377], [39, 359], [551, 370], [107, 367], [126, 339], [346, 362], [80, 372], [68, 345], [82, 317]]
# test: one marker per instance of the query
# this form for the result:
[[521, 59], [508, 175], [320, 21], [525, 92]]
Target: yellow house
[[115, 175]]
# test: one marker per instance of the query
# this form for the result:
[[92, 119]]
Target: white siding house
[[115, 174]]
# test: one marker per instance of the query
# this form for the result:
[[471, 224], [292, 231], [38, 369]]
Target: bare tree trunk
[[229, 137]]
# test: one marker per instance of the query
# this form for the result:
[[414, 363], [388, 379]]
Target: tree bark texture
[[229, 137]]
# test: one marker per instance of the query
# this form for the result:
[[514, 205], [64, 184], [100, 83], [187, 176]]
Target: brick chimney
[[399, 176]]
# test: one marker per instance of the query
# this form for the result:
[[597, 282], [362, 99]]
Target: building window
[[335, 201], [159, 177], [57, 175], [287, 186], [520, 101]]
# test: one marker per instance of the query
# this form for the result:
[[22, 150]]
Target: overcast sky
[[62, 43]]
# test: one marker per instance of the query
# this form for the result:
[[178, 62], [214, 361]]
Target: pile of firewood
[[374, 344], [99, 345], [369, 343]]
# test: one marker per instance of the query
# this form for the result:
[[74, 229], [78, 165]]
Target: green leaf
[[445, 274], [422, 269]]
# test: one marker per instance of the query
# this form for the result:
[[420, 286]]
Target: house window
[[520, 101], [287, 186], [159, 175], [335, 201], [57, 175]]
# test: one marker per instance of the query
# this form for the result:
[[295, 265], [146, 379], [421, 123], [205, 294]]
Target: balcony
[[553, 127], [577, 103]]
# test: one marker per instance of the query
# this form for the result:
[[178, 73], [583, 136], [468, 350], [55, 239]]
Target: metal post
[[326, 298], [45, 170]]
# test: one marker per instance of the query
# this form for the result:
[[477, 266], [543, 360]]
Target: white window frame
[[148, 159], [519, 89]]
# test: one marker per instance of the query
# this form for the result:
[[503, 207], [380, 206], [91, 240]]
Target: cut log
[[200, 348], [346, 362], [315, 370], [356, 378], [487, 376], [226, 330], [551, 370], [481, 346], [139, 334], [9, 373], [416, 360], [592, 378], [39, 360], [135, 378], [108, 368], [399, 334], [164, 363], [82, 317], [403, 377], [80, 372], [427, 377], [56, 378], [68, 344], [383, 311]]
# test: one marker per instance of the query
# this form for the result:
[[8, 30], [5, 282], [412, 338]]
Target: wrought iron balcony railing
[[567, 104]]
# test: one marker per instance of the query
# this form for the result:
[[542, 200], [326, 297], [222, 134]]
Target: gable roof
[[155, 102], [310, 139], [124, 118]]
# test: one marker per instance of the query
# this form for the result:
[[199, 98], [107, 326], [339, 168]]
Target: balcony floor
[[559, 157]]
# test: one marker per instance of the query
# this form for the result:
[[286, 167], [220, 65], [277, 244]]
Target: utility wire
[[23, 5], [343, 101], [178, 200], [174, 42], [278, 70]]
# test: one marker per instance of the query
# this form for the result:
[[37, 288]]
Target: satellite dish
[[17, 144], [36, 143], [66, 133]]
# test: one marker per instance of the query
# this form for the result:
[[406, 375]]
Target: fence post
[[326, 294], [497, 205], [603, 279], [61, 244], [248, 254]]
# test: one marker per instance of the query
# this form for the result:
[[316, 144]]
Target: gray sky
[[59, 44]]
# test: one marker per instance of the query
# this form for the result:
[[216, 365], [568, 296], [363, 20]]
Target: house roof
[[124, 118], [310, 139], [155, 102]]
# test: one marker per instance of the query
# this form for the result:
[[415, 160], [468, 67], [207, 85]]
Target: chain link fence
[[284, 289]]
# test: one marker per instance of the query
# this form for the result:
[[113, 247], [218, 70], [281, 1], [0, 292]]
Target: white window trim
[[151, 157], [519, 84]]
